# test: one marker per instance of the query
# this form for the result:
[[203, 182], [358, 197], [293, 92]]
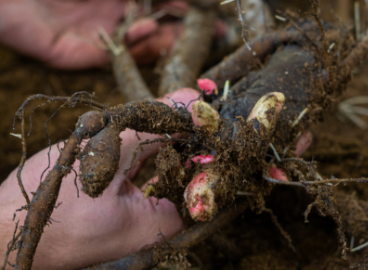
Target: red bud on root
[[207, 85], [205, 116], [278, 174], [199, 159], [303, 143], [263, 108], [200, 196]]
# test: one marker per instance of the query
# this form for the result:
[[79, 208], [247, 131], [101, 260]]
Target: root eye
[[205, 116], [200, 197], [266, 111]]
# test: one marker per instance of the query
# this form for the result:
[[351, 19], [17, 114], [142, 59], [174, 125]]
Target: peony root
[[200, 194], [228, 138]]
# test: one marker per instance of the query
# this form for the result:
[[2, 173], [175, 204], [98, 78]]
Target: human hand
[[88, 231], [64, 33]]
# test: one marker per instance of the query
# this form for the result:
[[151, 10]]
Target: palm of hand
[[102, 229], [62, 33]]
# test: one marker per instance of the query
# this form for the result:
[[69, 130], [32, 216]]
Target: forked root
[[44, 200]]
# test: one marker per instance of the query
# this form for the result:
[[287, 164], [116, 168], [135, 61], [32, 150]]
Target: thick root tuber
[[100, 160]]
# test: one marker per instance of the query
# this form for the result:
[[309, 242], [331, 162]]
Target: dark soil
[[339, 147]]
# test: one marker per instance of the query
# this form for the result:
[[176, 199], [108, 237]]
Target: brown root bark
[[100, 160], [243, 60], [190, 52], [355, 57], [130, 81], [44, 200], [100, 157], [152, 117]]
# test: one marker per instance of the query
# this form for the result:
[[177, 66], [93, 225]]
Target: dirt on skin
[[339, 146]]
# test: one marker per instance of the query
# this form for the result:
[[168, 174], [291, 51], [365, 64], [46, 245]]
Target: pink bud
[[200, 197], [303, 143], [198, 211], [201, 159], [278, 174], [207, 85]]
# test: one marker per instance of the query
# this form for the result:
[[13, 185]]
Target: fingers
[[68, 38], [147, 41], [161, 41], [139, 30], [150, 49], [73, 52]]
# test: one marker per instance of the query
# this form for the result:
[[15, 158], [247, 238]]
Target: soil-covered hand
[[64, 34], [86, 231]]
